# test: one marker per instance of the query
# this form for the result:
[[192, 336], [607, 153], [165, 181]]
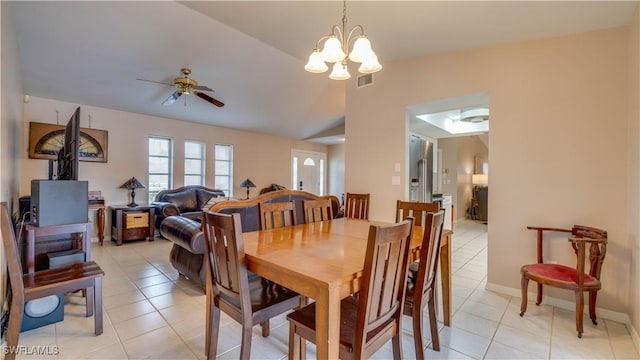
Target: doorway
[[460, 127], [308, 171]]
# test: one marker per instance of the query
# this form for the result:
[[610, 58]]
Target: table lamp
[[247, 184], [132, 184]]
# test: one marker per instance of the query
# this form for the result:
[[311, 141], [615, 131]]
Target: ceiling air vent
[[474, 115], [364, 80]]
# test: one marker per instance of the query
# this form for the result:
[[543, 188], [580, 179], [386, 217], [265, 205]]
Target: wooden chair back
[[417, 210], [357, 206], [277, 214], [247, 298], [381, 296], [423, 291], [429, 253], [317, 210], [597, 250], [13, 260], [224, 250]]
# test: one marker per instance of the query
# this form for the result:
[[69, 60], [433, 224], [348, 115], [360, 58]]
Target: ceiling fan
[[185, 85]]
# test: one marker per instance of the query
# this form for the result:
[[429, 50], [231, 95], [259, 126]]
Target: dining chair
[[422, 282], [277, 214], [368, 321], [249, 300], [317, 210], [357, 206], [40, 284], [569, 277], [417, 210]]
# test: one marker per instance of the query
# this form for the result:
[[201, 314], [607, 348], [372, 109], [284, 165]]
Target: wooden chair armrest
[[540, 237], [548, 229]]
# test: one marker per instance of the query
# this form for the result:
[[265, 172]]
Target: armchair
[[567, 277]]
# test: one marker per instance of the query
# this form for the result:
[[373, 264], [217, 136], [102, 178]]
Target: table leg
[[445, 268], [118, 227], [100, 216], [328, 325], [31, 250], [152, 230]]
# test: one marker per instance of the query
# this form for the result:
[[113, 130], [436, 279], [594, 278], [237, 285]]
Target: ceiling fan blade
[[157, 82], [203, 88], [172, 98], [208, 98]]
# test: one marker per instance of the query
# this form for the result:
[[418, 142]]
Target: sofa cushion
[[185, 200]]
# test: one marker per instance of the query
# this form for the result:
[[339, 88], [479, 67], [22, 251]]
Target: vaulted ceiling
[[252, 53]]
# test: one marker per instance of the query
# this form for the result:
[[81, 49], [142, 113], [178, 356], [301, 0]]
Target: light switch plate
[[395, 180]]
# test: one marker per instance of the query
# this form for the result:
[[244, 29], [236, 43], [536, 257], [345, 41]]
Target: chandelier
[[336, 48]]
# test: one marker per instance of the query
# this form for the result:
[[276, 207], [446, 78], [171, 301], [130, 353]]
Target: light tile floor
[[151, 312]]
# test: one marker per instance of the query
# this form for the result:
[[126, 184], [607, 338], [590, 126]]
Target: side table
[[132, 223]]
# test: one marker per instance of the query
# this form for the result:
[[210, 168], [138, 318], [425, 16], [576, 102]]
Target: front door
[[308, 171]]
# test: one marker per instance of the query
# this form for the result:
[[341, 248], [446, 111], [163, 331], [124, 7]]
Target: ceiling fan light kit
[[336, 48], [185, 85]]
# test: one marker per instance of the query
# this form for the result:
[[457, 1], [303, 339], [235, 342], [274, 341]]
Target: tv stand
[[79, 235]]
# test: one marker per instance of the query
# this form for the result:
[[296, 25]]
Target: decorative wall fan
[[185, 86]]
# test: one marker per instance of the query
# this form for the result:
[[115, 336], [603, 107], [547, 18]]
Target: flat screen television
[[69, 154]]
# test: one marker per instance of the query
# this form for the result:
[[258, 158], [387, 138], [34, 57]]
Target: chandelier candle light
[[336, 47]]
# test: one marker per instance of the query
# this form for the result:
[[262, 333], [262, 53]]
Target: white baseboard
[[571, 306]]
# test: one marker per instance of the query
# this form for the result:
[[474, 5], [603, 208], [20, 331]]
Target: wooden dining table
[[324, 261]]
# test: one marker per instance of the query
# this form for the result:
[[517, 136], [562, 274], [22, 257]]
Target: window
[[194, 162], [224, 168], [160, 165]]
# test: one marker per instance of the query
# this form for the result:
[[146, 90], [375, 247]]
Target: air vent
[[364, 80]]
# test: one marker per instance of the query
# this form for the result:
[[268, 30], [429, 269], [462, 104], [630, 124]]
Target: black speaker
[[43, 311], [59, 202], [24, 204]]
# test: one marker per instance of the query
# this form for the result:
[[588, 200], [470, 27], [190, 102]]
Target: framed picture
[[46, 139]]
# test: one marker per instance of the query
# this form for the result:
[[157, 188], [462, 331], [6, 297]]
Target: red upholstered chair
[[567, 277]]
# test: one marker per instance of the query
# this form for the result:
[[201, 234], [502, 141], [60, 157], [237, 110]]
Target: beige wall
[[633, 202], [12, 95], [558, 142], [335, 158], [458, 155], [10, 116], [262, 158]]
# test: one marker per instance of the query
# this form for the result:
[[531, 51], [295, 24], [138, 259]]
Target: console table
[[98, 206], [132, 223]]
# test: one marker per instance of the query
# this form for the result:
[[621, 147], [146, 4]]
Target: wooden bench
[[35, 285]]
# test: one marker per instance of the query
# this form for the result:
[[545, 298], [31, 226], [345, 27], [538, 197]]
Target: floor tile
[[152, 312]]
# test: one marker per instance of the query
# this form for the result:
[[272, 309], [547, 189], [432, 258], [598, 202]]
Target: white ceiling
[[252, 53]]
